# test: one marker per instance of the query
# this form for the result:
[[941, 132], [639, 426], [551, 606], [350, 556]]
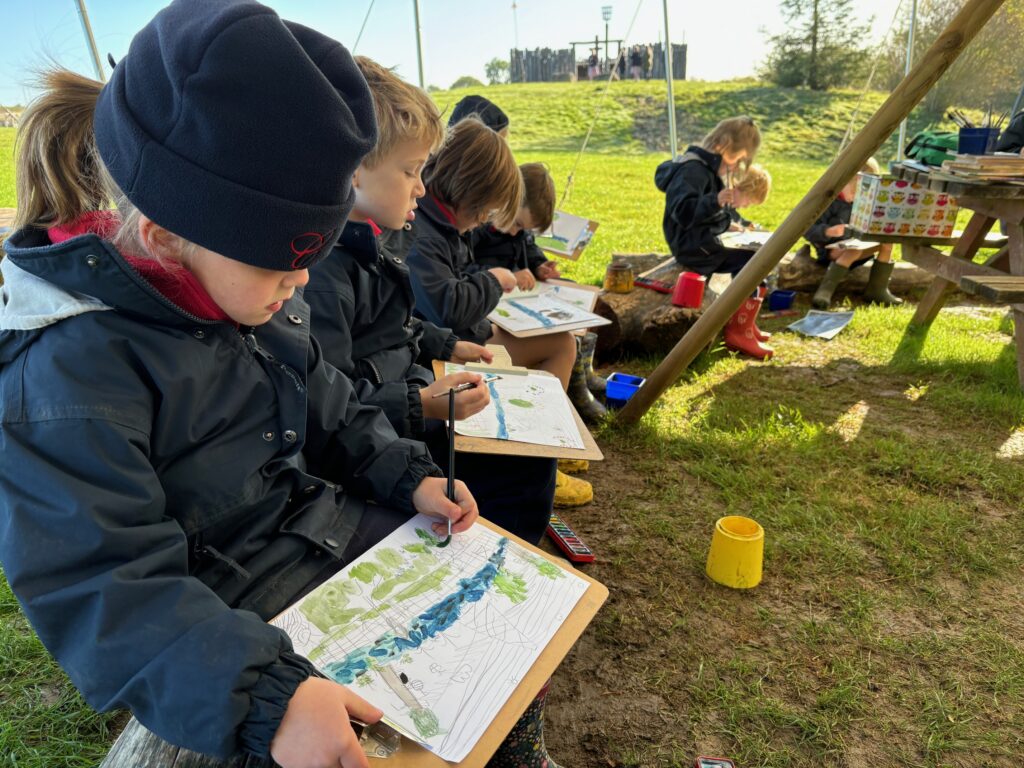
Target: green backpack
[[932, 147]]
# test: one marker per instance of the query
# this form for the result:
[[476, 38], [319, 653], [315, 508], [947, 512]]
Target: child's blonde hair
[[538, 194], [474, 171], [59, 174], [756, 184], [734, 134], [403, 111], [871, 166]]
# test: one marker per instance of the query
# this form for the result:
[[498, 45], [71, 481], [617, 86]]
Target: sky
[[726, 39]]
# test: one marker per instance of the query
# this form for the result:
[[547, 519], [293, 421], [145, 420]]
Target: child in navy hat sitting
[[187, 463]]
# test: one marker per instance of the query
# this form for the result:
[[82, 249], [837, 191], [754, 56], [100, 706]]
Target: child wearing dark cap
[[486, 111], [187, 462]]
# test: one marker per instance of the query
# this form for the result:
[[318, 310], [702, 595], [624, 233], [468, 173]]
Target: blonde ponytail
[[59, 175]]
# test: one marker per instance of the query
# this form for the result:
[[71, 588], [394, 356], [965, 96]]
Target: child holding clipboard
[[187, 462]]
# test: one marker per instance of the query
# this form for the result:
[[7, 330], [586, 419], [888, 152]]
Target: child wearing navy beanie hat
[[188, 462], [175, 129]]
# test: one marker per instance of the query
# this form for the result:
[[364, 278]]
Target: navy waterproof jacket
[[169, 483], [693, 218], [493, 248], [838, 212], [361, 302], [447, 294]]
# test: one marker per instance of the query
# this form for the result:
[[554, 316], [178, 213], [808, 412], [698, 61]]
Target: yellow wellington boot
[[573, 466], [571, 491]]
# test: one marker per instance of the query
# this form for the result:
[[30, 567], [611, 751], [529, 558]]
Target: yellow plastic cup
[[737, 552]]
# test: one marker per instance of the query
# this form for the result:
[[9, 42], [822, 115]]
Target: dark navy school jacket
[[446, 293], [838, 212], [693, 218], [493, 248], [169, 483], [361, 302]]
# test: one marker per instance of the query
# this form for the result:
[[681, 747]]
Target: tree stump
[[644, 320]]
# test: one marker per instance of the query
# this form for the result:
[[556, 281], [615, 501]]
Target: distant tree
[[821, 48], [496, 71], [467, 81], [433, 88], [988, 72]]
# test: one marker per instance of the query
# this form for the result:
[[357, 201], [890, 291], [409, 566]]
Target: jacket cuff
[[448, 351], [419, 468], [415, 410], [269, 700]]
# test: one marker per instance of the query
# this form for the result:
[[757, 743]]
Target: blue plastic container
[[621, 387], [778, 300], [977, 141]]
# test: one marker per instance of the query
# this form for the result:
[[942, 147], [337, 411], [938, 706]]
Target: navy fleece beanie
[[490, 114], [238, 131]]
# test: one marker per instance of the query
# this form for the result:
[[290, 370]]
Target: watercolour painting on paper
[[438, 638], [527, 409]]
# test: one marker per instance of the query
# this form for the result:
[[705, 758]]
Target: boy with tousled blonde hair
[[361, 304], [753, 189]]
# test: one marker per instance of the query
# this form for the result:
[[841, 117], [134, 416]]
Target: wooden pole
[[958, 33]]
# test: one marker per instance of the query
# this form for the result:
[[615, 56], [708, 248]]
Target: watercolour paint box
[[885, 205]]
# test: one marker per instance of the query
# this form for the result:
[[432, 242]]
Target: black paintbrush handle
[[451, 445]]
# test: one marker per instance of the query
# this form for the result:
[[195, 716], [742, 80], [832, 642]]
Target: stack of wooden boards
[[1000, 168]]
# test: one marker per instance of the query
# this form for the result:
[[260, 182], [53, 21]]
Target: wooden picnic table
[[1000, 278]]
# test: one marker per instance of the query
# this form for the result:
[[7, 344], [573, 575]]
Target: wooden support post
[[960, 31]]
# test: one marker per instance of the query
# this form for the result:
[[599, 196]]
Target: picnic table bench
[[1000, 278]]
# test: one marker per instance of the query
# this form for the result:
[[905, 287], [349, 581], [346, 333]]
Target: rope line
[[366, 18]]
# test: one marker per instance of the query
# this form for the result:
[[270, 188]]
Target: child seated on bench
[[831, 227]]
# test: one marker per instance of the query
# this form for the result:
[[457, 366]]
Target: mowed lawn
[[885, 467]]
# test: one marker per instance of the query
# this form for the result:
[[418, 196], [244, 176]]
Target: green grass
[[887, 630]]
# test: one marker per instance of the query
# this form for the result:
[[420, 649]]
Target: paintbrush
[[451, 462]]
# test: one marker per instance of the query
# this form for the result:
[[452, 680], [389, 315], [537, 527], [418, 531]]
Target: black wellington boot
[[595, 382], [590, 409], [524, 746]]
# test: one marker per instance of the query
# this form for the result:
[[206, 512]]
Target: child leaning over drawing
[[362, 314], [699, 197], [831, 227], [188, 464], [470, 180], [514, 248]]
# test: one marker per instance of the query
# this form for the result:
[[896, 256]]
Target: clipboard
[[491, 445], [547, 239], [412, 755], [591, 322]]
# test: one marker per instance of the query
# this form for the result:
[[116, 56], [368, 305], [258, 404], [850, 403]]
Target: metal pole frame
[[419, 41], [673, 145], [906, 71], [90, 41]]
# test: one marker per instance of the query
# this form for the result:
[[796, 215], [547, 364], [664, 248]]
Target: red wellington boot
[[739, 331], [762, 336]]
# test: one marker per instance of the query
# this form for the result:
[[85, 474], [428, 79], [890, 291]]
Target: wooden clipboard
[[576, 252], [412, 755], [581, 325], [491, 445]]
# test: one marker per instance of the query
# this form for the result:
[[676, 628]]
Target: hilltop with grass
[[885, 467]]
